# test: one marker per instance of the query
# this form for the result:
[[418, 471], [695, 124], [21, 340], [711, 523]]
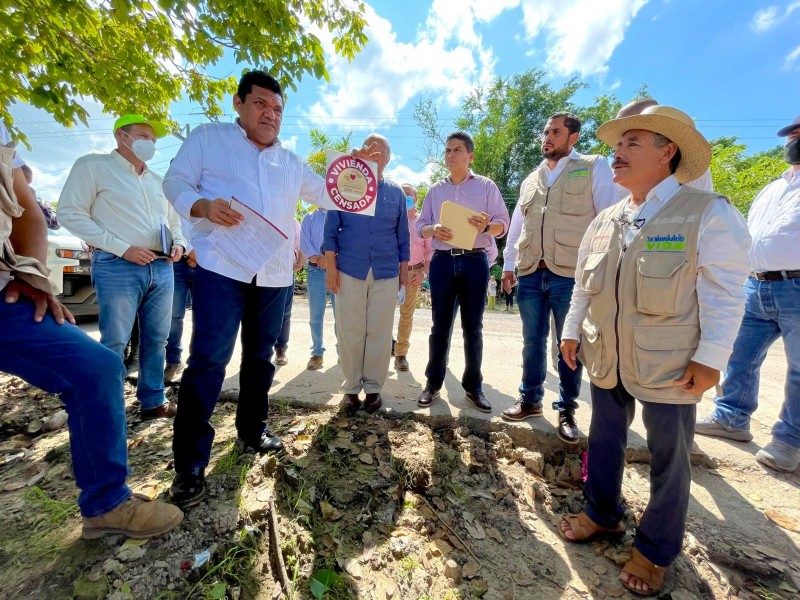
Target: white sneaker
[[779, 456]]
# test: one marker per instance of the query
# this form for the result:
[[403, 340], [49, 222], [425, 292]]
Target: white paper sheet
[[251, 243]]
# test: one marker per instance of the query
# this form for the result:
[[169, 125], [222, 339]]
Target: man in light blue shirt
[[312, 231], [366, 257]]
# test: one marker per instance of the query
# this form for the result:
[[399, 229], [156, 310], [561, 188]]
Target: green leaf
[[218, 591], [322, 581]]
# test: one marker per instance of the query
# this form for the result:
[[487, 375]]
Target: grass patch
[[56, 511]]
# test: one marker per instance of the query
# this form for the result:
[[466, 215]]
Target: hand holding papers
[[456, 218], [252, 242]]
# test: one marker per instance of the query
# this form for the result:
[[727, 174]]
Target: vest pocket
[[575, 200], [657, 283], [566, 251], [594, 271], [662, 353], [591, 351]]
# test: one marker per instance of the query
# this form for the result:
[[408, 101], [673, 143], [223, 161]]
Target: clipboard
[[455, 218]]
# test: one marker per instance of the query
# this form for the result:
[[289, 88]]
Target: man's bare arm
[[29, 234]]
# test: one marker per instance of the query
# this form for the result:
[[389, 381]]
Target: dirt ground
[[404, 505]]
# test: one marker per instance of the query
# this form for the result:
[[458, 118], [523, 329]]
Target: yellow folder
[[454, 217]]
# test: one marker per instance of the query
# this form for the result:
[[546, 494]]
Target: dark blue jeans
[[539, 294], [184, 279], [220, 305], [670, 431], [286, 325], [457, 280], [62, 359]]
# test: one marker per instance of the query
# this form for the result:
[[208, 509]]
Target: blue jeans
[[124, 290], [457, 280], [772, 310], [539, 294], [286, 325], [62, 359], [221, 304], [184, 278], [670, 431], [317, 303]]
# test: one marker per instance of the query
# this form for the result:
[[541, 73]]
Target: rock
[[130, 553], [682, 594], [619, 556], [534, 462], [549, 472], [35, 426], [371, 440], [452, 570], [111, 566], [600, 569], [55, 421]]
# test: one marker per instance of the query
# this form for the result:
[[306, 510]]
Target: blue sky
[[734, 65]]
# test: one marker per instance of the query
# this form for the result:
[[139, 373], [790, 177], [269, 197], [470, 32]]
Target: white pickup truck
[[70, 265]]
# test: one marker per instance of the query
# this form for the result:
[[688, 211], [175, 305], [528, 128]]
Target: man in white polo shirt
[[115, 203]]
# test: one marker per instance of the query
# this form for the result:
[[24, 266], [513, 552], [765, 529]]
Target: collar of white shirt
[[126, 164]]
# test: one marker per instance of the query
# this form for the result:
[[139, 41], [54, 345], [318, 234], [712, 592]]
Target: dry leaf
[[329, 513], [440, 547], [475, 530], [495, 535], [470, 569], [371, 440], [135, 442], [12, 486], [351, 566], [439, 504], [782, 519], [366, 458], [264, 495]]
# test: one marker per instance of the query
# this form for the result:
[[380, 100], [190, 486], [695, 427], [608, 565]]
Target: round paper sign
[[350, 184]]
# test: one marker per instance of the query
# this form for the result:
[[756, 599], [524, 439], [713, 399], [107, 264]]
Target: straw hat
[[673, 124]]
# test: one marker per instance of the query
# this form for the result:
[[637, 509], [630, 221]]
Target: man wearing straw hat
[[656, 306]]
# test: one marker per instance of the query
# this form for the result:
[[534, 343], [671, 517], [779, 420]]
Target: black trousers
[[670, 431]]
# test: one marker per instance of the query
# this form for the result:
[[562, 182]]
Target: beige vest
[[643, 316], [555, 218], [27, 269]]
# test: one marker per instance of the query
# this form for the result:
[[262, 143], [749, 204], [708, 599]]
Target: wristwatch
[[486, 229]]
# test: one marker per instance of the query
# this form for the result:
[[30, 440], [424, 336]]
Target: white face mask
[[144, 150]]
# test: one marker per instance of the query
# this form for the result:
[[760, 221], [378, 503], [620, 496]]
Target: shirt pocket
[[567, 243], [662, 353], [657, 283], [594, 272]]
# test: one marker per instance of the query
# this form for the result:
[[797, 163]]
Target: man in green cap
[[115, 203]]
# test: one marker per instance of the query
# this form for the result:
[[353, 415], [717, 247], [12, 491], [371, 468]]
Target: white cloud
[[580, 35], [792, 60], [447, 59], [401, 174], [770, 17]]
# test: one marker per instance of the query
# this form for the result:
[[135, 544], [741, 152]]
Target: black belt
[[460, 251], [416, 267], [776, 275]]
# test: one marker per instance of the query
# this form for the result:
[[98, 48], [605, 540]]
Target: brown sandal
[[584, 529], [646, 572]]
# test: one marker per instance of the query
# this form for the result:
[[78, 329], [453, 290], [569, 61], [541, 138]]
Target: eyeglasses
[[623, 221]]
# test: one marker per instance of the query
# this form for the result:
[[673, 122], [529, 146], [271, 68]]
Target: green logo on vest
[[579, 172], [665, 243]]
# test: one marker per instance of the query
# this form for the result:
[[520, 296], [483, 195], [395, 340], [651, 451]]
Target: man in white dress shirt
[[657, 300], [772, 310], [557, 202], [218, 162], [115, 203]]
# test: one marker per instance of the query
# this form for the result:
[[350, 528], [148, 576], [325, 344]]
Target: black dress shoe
[[372, 403], [479, 401], [266, 443], [427, 397], [350, 404], [567, 428], [188, 488]]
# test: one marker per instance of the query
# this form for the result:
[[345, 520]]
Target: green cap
[[158, 127]]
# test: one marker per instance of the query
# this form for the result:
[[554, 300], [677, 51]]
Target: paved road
[[501, 369]]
